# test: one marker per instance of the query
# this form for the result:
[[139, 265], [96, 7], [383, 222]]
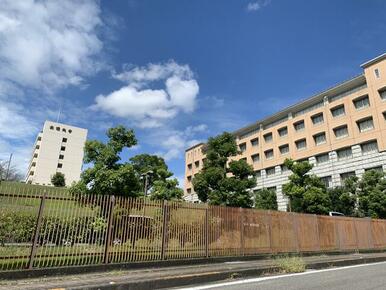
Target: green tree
[[344, 198], [58, 179], [106, 175], [220, 182], [372, 194], [153, 166], [307, 193], [265, 199], [166, 190]]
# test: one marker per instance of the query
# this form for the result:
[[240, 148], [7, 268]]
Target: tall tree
[[344, 198], [265, 199], [106, 175], [372, 194], [166, 190], [306, 191], [220, 182], [13, 173]]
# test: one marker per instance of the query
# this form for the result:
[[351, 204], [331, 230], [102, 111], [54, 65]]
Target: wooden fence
[[47, 230]]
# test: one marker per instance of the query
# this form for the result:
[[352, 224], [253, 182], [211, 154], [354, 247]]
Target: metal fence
[[47, 230]]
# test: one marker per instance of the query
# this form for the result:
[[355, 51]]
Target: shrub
[[290, 264]]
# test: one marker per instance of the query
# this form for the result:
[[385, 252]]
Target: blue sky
[[175, 71]]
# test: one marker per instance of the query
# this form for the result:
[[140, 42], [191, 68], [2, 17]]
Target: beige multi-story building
[[58, 148], [342, 131]]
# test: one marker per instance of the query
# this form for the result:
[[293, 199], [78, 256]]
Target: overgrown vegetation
[[290, 264], [221, 182]]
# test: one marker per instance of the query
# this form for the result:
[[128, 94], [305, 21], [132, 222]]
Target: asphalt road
[[369, 276]]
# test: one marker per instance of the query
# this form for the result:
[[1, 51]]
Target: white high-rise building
[[58, 148]]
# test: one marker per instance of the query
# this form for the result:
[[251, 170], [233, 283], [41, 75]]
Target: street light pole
[[8, 167]]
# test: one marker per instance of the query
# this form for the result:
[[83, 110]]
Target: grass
[[290, 264]]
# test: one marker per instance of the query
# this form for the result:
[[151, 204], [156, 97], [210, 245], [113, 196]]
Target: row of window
[[340, 132], [359, 103], [62, 129]]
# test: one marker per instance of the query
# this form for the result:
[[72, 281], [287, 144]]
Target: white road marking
[[253, 280]]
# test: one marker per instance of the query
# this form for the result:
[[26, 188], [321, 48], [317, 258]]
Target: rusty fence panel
[[65, 230]]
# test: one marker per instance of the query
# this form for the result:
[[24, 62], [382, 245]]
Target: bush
[[16, 227], [291, 264]]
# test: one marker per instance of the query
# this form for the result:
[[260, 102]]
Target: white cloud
[[257, 5], [48, 44], [153, 94]]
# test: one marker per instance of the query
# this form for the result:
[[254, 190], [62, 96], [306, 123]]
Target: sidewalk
[[166, 277]]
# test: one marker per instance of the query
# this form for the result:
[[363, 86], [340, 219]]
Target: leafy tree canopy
[[220, 182], [58, 179], [265, 199], [166, 190]]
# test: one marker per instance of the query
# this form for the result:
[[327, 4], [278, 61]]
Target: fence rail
[[40, 230]]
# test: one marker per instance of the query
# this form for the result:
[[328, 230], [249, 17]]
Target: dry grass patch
[[290, 264]]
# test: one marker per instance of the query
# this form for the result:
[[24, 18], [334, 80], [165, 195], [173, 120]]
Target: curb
[[185, 280]]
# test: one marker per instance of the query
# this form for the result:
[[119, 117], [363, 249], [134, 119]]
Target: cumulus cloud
[[174, 142], [152, 94], [48, 44], [257, 5]]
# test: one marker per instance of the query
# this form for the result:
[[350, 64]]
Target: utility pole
[[146, 175], [8, 167]]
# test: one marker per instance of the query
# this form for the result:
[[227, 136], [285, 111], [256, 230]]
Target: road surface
[[360, 277]]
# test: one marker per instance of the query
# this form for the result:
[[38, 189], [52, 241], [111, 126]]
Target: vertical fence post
[[317, 232], [356, 235], [109, 230], [37, 230], [241, 212], [206, 232], [295, 225], [165, 229]]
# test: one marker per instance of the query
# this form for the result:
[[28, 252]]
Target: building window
[[197, 164], [320, 138], [189, 190], [61, 156], [327, 180], [255, 142], [338, 111], [52, 127], [243, 147], [361, 103], [39, 138], [283, 168], [382, 94], [268, 154], [377, 168], [255, 158], [377, 74], [64, 140], [63, 148], [57, 128], [190, 166], [365, 124], [322, 158], [346, 175], [272, 188], [189, 178], [37, 147], [257, 173], [268, 137], [64, 130], [33, 164], [284, 149], [270, 171], [317, 119], [31, 173], [344, 153], [341, 132], [299, 125], [301, 144], [369, 147], [60, 165], [35, 155], [70, 131], [384, 115], [283, 131]]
